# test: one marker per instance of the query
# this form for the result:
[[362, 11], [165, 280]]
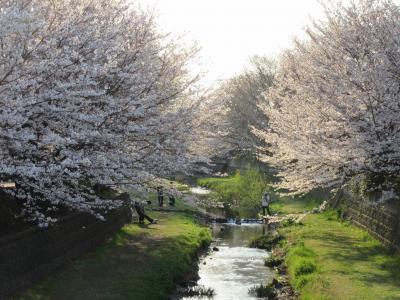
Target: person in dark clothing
[[171, 200], [139, 207], [160, 195]]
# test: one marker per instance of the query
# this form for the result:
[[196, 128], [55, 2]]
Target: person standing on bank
[[266, 199], [139, 207], [160, 195]]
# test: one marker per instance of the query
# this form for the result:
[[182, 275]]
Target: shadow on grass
[[360, 253], [146, 226], [133, 265]]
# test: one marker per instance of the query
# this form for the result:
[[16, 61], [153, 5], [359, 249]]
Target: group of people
[[140, 207], [160, 196]]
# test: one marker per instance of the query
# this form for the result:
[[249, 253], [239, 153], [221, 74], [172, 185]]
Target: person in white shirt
[[265, 203]]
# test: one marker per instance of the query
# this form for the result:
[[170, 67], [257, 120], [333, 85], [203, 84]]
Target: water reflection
[[233, 235]]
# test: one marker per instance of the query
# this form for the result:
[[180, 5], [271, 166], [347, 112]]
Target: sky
[[230, 31]]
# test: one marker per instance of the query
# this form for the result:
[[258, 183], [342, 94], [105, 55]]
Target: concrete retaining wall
[[382, 221]]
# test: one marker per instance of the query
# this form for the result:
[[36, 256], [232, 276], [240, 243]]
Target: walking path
[[141, 262], [296, 218]]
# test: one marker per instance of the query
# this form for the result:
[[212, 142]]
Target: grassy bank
[[329, 259], [242, 191], [244, 188], [288, 205], [138, 263]]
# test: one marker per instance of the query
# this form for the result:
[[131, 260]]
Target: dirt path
[[296, 218]]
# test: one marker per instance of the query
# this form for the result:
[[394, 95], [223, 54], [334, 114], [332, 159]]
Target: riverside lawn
[[332, 259], [138, 263]]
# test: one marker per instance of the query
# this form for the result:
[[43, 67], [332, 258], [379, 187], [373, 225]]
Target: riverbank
[[140, 262], [330, 259], [241, 191]]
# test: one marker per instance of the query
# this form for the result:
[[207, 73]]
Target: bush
[[262, 291], [273, 261], [288, 223], [265, 241], [304, 266]]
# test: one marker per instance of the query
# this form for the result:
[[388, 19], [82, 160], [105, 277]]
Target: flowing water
[[197, 190], [234, 268]]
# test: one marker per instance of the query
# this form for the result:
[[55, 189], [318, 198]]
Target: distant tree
[[90, 93], [238, 99], [334, 111]]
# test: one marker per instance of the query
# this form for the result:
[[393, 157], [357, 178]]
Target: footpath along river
[[234, 268]]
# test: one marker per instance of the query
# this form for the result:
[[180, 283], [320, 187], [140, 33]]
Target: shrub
[[265, 241], [304, 266], [288, 223], [262, 291], [273, 261]]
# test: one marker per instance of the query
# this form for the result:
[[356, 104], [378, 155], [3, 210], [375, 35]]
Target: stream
[[234, 268]]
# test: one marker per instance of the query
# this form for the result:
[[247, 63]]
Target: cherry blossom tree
[[235, 108], [334, 112], [90, 93]]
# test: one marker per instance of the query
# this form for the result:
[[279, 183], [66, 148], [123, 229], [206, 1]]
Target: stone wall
[[382, 221], [30, 255]]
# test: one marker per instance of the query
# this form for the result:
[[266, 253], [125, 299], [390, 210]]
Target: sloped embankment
[[138, 263], [330, 259]]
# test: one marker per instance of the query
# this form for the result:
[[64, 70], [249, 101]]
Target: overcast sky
[[229, 31]]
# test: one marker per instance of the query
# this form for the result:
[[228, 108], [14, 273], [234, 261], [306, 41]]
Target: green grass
[[265, 241], [329, 259], [228, 189], [243, 190], [289, 205], [138, 263], [302, 264]]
